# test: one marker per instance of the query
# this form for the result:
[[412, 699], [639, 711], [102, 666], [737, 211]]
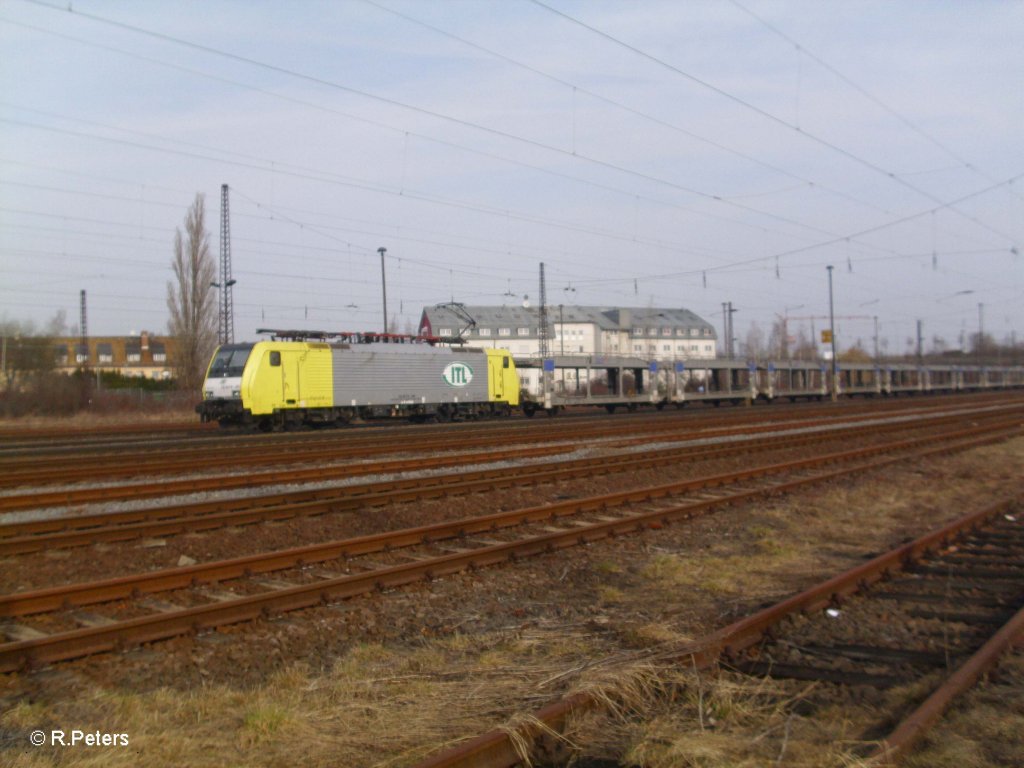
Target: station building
[[650, 333]]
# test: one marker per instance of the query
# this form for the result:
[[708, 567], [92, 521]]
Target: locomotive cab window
[[230, 360], [275, 358], [504, 362]]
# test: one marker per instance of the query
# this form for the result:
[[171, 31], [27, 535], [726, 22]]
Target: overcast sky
[[670, 154]]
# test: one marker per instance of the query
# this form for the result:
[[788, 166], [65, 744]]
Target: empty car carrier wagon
[[303, 377]]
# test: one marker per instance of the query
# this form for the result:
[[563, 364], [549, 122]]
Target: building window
[[638, 347], [523, 331], [504, 331], [159, 357], [445, 332], [484, 331], [666, 331], [707, 331], [638, 331], [134, 357], [695, 331], [666, 347], [707, 347], [652, 331]]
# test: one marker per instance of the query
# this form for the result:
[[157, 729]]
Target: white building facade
[[660, 334]]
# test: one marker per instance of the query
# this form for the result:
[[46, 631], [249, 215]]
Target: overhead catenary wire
[[529, 241], [438, 115], [178, 41], [852, 156], [927, 136]]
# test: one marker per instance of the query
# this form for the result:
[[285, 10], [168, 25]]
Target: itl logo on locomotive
[[458, 374]]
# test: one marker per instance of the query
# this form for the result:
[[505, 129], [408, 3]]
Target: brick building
[[142, 355]]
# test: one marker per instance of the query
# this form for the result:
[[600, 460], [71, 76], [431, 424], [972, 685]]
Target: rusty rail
[[15, 472], [912, 728], [80, 530], [90, 640], [496, 749], [77, 496]]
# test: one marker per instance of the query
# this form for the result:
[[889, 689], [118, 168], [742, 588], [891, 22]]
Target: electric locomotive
[[315, 378]]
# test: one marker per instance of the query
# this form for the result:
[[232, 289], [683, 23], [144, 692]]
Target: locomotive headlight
[[236, 393], [207, 394]]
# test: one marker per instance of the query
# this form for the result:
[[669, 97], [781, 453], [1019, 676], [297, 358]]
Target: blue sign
[[680, 367], [549, 365], [653, 367]]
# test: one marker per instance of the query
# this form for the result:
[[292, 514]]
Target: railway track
[[941, 609], [49, 465], [167, 520], [179, 434], [552, 443], [927, 620], [205, 596]]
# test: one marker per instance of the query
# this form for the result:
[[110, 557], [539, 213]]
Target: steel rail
[[89, 640], [23, 470], [195, 430], [270, 448], [497, 749], [77, 496], [65, 532], [19, 471], [914, 726], [81, 530], [86, 593]]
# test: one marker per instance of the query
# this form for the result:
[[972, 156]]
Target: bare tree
[[190, 301], [26, 364], [753, 347], [778, 338], [804, 347]]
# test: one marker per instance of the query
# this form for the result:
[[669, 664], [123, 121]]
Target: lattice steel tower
[[544, 332], [83, 330], [226, 325]]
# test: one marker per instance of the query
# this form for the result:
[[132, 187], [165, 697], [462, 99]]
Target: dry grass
[[185, 416], [377, 706], [681, 719]]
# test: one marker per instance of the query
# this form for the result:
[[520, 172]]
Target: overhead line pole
[[384, 286], [832, 333]]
